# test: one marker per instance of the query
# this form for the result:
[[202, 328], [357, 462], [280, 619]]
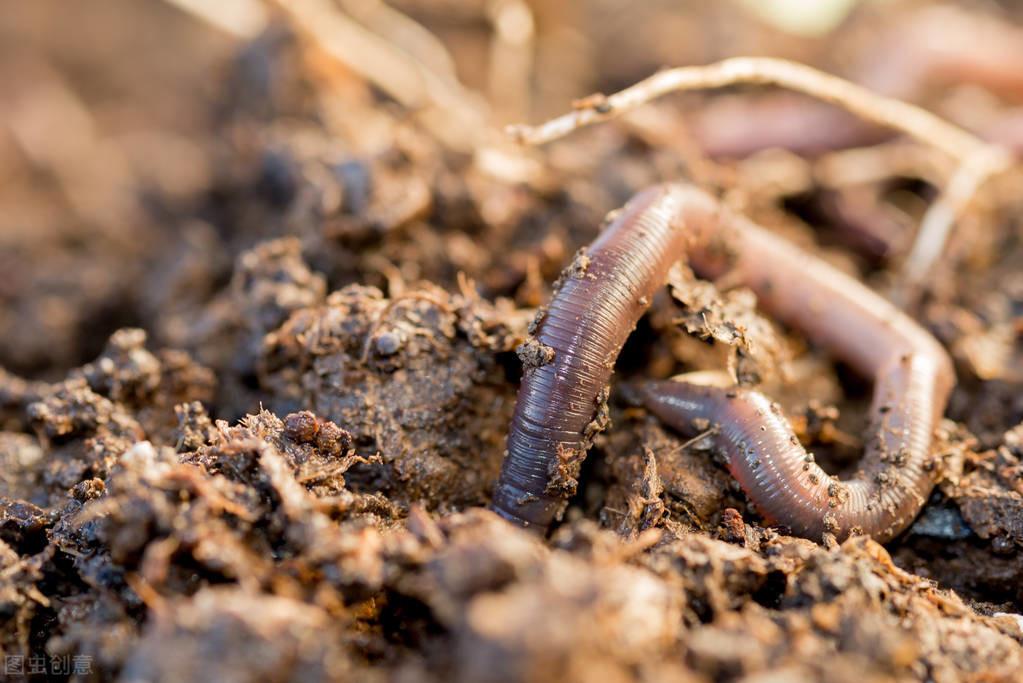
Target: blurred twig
[[941, 216], [56, 132], [511, 58], [240, 18], [409, 64], [877, 163], [403, 31], [452, 113]]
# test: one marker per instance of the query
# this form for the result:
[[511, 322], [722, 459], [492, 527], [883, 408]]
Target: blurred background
[[145, 144]]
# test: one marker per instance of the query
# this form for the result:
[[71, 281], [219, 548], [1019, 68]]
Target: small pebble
[[388, 343], [1003, 545]]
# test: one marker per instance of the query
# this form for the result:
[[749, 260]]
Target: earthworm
[[576, 340]]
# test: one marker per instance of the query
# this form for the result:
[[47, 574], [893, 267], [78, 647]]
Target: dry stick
[[395, 72], [881, 162], [404, 31], [978, 160], [511, 57], [942, 214], [884, 111], [409, 79], [407, 61], [239, 18]]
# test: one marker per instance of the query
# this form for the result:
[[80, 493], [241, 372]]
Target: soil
[[261, 332]]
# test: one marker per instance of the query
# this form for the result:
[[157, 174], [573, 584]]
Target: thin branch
[[944, 212], [394, 71], [239, 18], [878, 163], [511, 57], [711, 431], [405, 32], [881, 110]]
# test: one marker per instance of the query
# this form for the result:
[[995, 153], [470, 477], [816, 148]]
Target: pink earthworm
[[575, 341], [932, 46]]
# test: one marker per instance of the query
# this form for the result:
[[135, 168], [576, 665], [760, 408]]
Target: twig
[[884, 111], [239, 18], [394, 71], [712, 431], [511, 57], [878, 163], [403, 31], [942, 214]]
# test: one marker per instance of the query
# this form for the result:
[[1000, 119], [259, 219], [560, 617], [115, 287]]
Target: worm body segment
[[572, 353], [577, 339]]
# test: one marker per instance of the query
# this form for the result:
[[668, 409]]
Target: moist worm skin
[[596, 307]]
